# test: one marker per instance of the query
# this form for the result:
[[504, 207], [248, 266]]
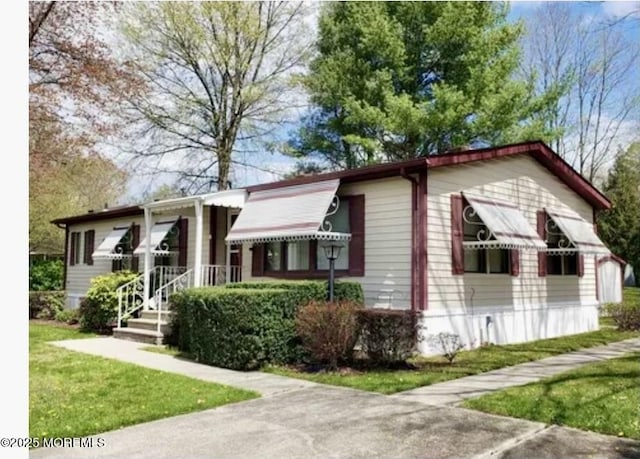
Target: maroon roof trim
[[612, 257], [101, 215], [537, 149]]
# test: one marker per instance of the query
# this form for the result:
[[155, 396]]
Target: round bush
[[328, 330], [99, 309]]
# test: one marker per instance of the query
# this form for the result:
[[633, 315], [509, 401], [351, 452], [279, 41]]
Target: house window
[[561, 264], [74, 256], [298, 255], [170, 243], [307, 258], [481, 260], [339, 224], [124, 247]]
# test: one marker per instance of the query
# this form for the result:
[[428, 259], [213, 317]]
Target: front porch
[[183, 247]]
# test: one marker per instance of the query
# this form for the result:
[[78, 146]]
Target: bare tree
[[74, 82], [595, 69], [219, 74]]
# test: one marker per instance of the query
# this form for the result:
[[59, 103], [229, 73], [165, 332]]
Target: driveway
[[331, 422]]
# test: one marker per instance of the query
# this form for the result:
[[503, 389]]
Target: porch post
[[227, 271], [197, 264], [147, 257]]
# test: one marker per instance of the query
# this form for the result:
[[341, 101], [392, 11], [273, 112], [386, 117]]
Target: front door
[[235, 255]]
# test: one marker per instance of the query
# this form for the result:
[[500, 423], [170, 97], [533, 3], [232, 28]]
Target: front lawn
[[603, 397], [73, 394], [434, 369]]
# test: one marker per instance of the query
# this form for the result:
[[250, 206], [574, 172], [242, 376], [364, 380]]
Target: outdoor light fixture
[[332, 252]]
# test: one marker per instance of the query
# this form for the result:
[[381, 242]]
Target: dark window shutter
[[542, 232], [183, 237], [89, 241], [257, 260], [580, 265], [514, 265], [135, 241], [356, 246], [457, 235], [72, 252]]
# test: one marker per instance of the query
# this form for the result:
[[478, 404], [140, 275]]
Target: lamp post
[[332, 252]]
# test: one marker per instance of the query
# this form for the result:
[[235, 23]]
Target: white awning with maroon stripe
[[158, 233], [506, 226], [295, 212], [107, 248], [577, 230]]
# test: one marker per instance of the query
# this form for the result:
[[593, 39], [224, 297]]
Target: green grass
[[434, 369], [73, 394], [631, 293], [602, 397]]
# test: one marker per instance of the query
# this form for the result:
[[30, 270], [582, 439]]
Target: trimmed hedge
[[245, 325], [342, 290], [45, 305]]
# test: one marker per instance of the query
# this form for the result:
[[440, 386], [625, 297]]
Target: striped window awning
[[578, 231], [506, 226], [295, 212], [108, 248], [158, 233]]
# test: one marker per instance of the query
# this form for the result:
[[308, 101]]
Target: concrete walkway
[[128, 351], [299, 419], [456, 391]]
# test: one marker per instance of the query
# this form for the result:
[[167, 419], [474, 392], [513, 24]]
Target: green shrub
[[625, 315], [99, 309], [68, 316], [46, 275], [236, 328], [45, 305], [342, 290], [246, 324], [388, 336], [328, 330]]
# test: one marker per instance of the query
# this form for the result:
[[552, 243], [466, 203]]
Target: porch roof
[[228, 198], [288, 213], [106, 249], [578, 231], [508, 227]]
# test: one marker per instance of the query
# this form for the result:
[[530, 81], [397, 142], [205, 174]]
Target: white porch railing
[[164, 281], [184, 280], [130, 298], [217, 274]]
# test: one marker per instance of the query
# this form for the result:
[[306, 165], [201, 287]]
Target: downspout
[[414, 243]]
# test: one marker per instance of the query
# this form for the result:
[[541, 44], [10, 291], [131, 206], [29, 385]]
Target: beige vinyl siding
[[387, 236], [531, 187], [387, 279]]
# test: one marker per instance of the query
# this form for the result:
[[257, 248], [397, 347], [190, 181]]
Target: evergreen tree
[[396, 80], [619, 227]]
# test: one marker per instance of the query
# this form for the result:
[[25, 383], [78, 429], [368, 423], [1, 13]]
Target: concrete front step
[[138, 335], [153, 315], [148, 324]]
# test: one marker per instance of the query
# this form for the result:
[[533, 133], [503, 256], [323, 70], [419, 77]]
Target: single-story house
[[495, 244]]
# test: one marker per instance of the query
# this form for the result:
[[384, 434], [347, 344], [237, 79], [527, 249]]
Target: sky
[[272, 166]]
